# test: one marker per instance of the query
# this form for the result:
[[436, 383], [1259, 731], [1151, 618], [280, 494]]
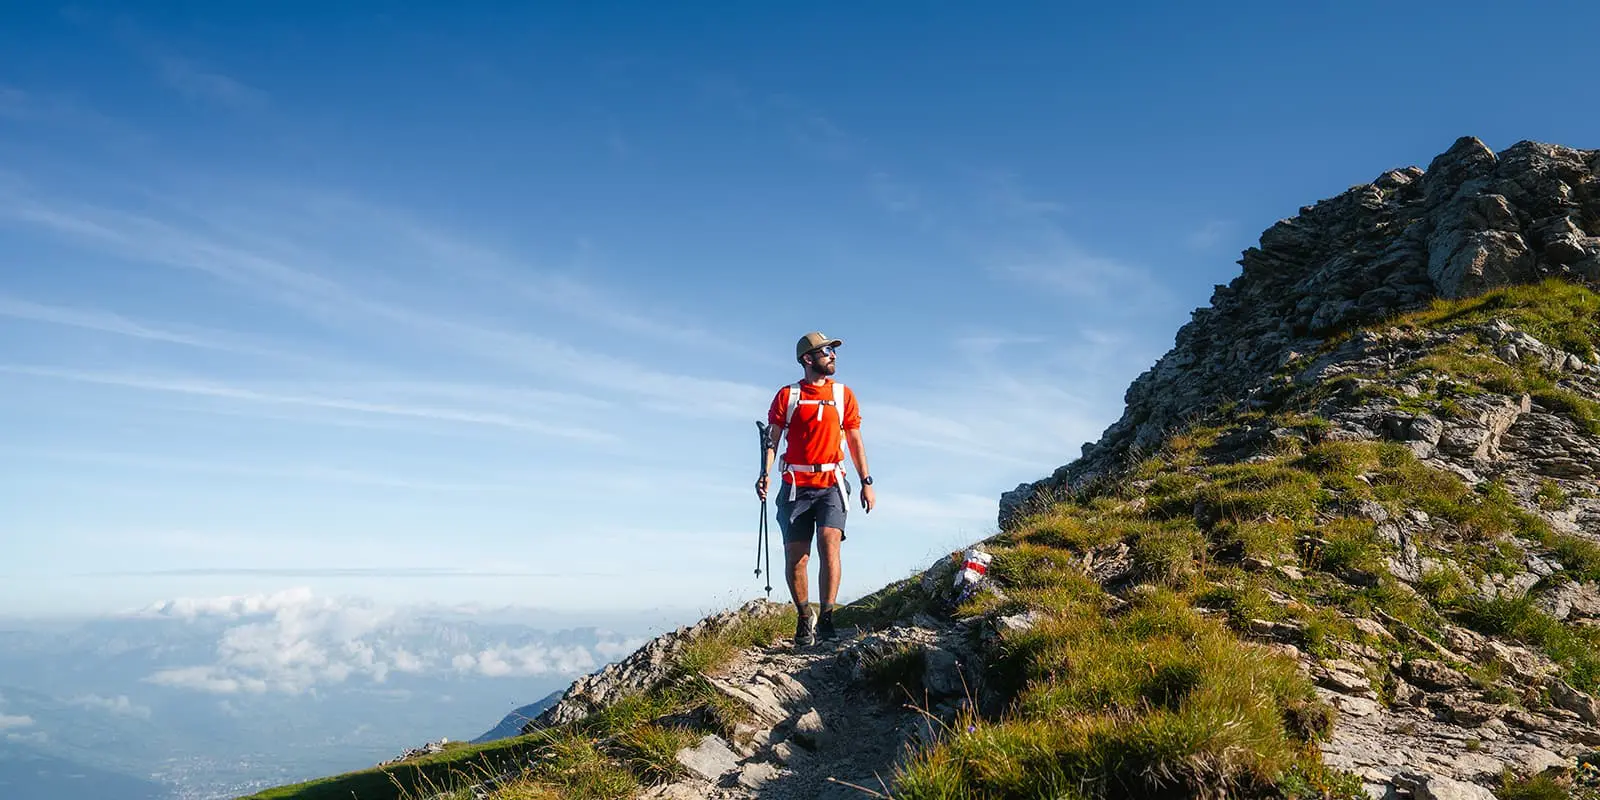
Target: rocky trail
[[820, 727]]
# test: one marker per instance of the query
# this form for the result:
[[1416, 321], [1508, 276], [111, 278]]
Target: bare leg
[[828, 573], [797, 555]]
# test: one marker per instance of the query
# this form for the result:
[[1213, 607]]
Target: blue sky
[[481, 306]]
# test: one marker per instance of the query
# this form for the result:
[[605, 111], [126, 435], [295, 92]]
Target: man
[[819, 416]]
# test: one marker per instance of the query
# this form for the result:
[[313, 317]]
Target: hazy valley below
[[203, 700]]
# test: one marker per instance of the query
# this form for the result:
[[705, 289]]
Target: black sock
[[827, 610]]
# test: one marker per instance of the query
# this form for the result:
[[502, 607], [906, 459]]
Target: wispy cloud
[[1003, 192], [14, 103], [1028, 242], [533, 659], [903, 199], [945, 511], [306, 472], [895, 196], [1067, 270], [145, 239], [807, 127], [108, 322], [329, 301], [987, 345], [1019, 237], [181, 73], [619, 145], [556, 289], [10, 721], [17, 308], [351, 572], [200, 82], [1208, 235], [119, 706], [229, 606], [46, 110], [211, 389]]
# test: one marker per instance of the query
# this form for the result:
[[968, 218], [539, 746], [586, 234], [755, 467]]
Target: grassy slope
[[457, 762], [1162, 694]]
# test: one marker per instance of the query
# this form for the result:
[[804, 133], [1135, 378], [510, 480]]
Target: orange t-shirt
[[811, 440]]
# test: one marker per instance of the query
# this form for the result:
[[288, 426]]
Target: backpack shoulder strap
[[794, 402], [838, 402]]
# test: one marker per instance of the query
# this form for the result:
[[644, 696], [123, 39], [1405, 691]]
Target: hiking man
[[820, 415]]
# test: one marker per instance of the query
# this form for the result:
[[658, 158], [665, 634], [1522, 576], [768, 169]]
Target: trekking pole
[[761, 535]]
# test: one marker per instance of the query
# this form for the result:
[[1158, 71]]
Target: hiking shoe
[[825, 629], [804, 634]]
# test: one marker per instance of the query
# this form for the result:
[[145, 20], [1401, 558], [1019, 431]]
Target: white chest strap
[[838, 406], [794, 401]]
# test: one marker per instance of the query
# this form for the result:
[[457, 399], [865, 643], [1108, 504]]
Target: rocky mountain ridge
[[1473, 220]]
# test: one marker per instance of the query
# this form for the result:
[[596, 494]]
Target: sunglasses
[[825, 350]]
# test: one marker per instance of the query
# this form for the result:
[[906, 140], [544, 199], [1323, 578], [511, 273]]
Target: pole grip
[[764, 430]]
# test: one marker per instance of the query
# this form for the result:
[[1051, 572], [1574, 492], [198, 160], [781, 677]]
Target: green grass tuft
[[1261, 491], [1537, 787], [898, 672], [1169, 552], [1575, 648]]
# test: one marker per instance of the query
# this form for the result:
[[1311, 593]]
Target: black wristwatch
[[866, 481]]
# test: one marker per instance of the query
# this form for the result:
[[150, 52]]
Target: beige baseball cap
[[812, 341]]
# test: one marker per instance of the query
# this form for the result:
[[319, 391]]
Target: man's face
[[822, 360]]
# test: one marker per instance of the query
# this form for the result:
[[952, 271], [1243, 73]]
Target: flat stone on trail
[[1585, 706], [809, 730], [786, 754], [710, 759], [1536, 759], [1356, 706], [681, 790], [1437, 787], [759, 697], [757, 773], [1434, 675]]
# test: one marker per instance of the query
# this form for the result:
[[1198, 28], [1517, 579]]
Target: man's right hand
[[761, 487]]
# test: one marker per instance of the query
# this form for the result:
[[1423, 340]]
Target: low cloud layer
[[293, 642], [11, 722], [119, 705]]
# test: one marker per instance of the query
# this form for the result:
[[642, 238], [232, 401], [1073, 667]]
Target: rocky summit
[[1473, 221], [1343, 543]]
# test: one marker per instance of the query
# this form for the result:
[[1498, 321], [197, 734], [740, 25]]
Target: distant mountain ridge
[[513, 722]]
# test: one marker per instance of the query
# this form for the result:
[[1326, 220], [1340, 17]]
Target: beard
[[824, 367]]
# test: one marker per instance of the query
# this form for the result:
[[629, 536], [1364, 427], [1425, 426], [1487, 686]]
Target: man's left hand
[[869, 498]]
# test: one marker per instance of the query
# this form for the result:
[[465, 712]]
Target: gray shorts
[[813, 507]]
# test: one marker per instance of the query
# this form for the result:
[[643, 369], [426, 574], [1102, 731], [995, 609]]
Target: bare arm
[[858, 453]]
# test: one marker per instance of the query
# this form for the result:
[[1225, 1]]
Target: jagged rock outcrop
[[641, 670], [1473, 220]]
